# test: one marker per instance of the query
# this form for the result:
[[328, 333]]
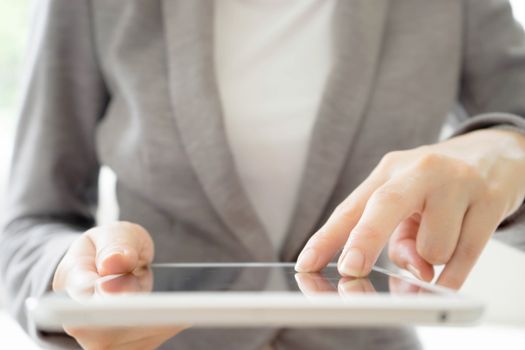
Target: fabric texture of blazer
[[130, 84]]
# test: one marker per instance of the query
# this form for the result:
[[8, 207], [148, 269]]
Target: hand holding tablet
[[113, 249]]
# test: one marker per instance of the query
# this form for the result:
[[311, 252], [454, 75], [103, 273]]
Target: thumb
[[121, 248]]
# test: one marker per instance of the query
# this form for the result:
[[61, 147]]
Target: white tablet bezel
[[256, 309]]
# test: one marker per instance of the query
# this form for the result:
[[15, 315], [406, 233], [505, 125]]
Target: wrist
[[498, 156], [513, 141]]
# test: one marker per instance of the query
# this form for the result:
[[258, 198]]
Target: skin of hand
[[118, 248], [433, 205]]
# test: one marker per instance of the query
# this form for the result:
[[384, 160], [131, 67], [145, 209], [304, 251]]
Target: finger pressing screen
[[328, 240], [393, 202]]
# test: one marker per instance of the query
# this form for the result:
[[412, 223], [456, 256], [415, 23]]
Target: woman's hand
[[435, 205], [113, 249]]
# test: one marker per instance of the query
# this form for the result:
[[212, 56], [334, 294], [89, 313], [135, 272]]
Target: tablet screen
[[255, 277]]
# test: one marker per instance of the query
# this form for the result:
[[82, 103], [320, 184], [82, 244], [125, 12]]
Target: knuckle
[[465, 172], [429, 161], [366, 232], [321, 238], [390, 158], [388, 195], [344, 210], [457, 170]]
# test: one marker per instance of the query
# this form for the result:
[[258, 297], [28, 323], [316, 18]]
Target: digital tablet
[[252, 295]]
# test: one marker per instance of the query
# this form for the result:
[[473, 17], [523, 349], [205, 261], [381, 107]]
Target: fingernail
[[113, 252], [414, 271], [306, 260], [112, 261], [352, 263]]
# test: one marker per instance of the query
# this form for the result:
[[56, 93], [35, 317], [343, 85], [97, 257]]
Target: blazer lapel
[[198, 114], [358, 30]]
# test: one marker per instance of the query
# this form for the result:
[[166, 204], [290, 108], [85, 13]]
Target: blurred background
[[14, 29], [494, 279]]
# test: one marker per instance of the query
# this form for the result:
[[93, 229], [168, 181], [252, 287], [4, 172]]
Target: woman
[[267, 131]]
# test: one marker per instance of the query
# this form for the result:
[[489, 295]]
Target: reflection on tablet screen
[[253, 277]]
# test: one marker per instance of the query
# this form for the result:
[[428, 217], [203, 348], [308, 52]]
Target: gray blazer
[[130, 84]]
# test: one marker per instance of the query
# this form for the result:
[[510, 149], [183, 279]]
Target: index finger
[[328, 240], [386, 208]]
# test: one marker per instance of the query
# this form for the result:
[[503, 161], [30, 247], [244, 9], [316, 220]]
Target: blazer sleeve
[[492, 88], [53, 182]]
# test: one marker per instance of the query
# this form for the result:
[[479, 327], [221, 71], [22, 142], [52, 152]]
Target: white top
[[272, 60]]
